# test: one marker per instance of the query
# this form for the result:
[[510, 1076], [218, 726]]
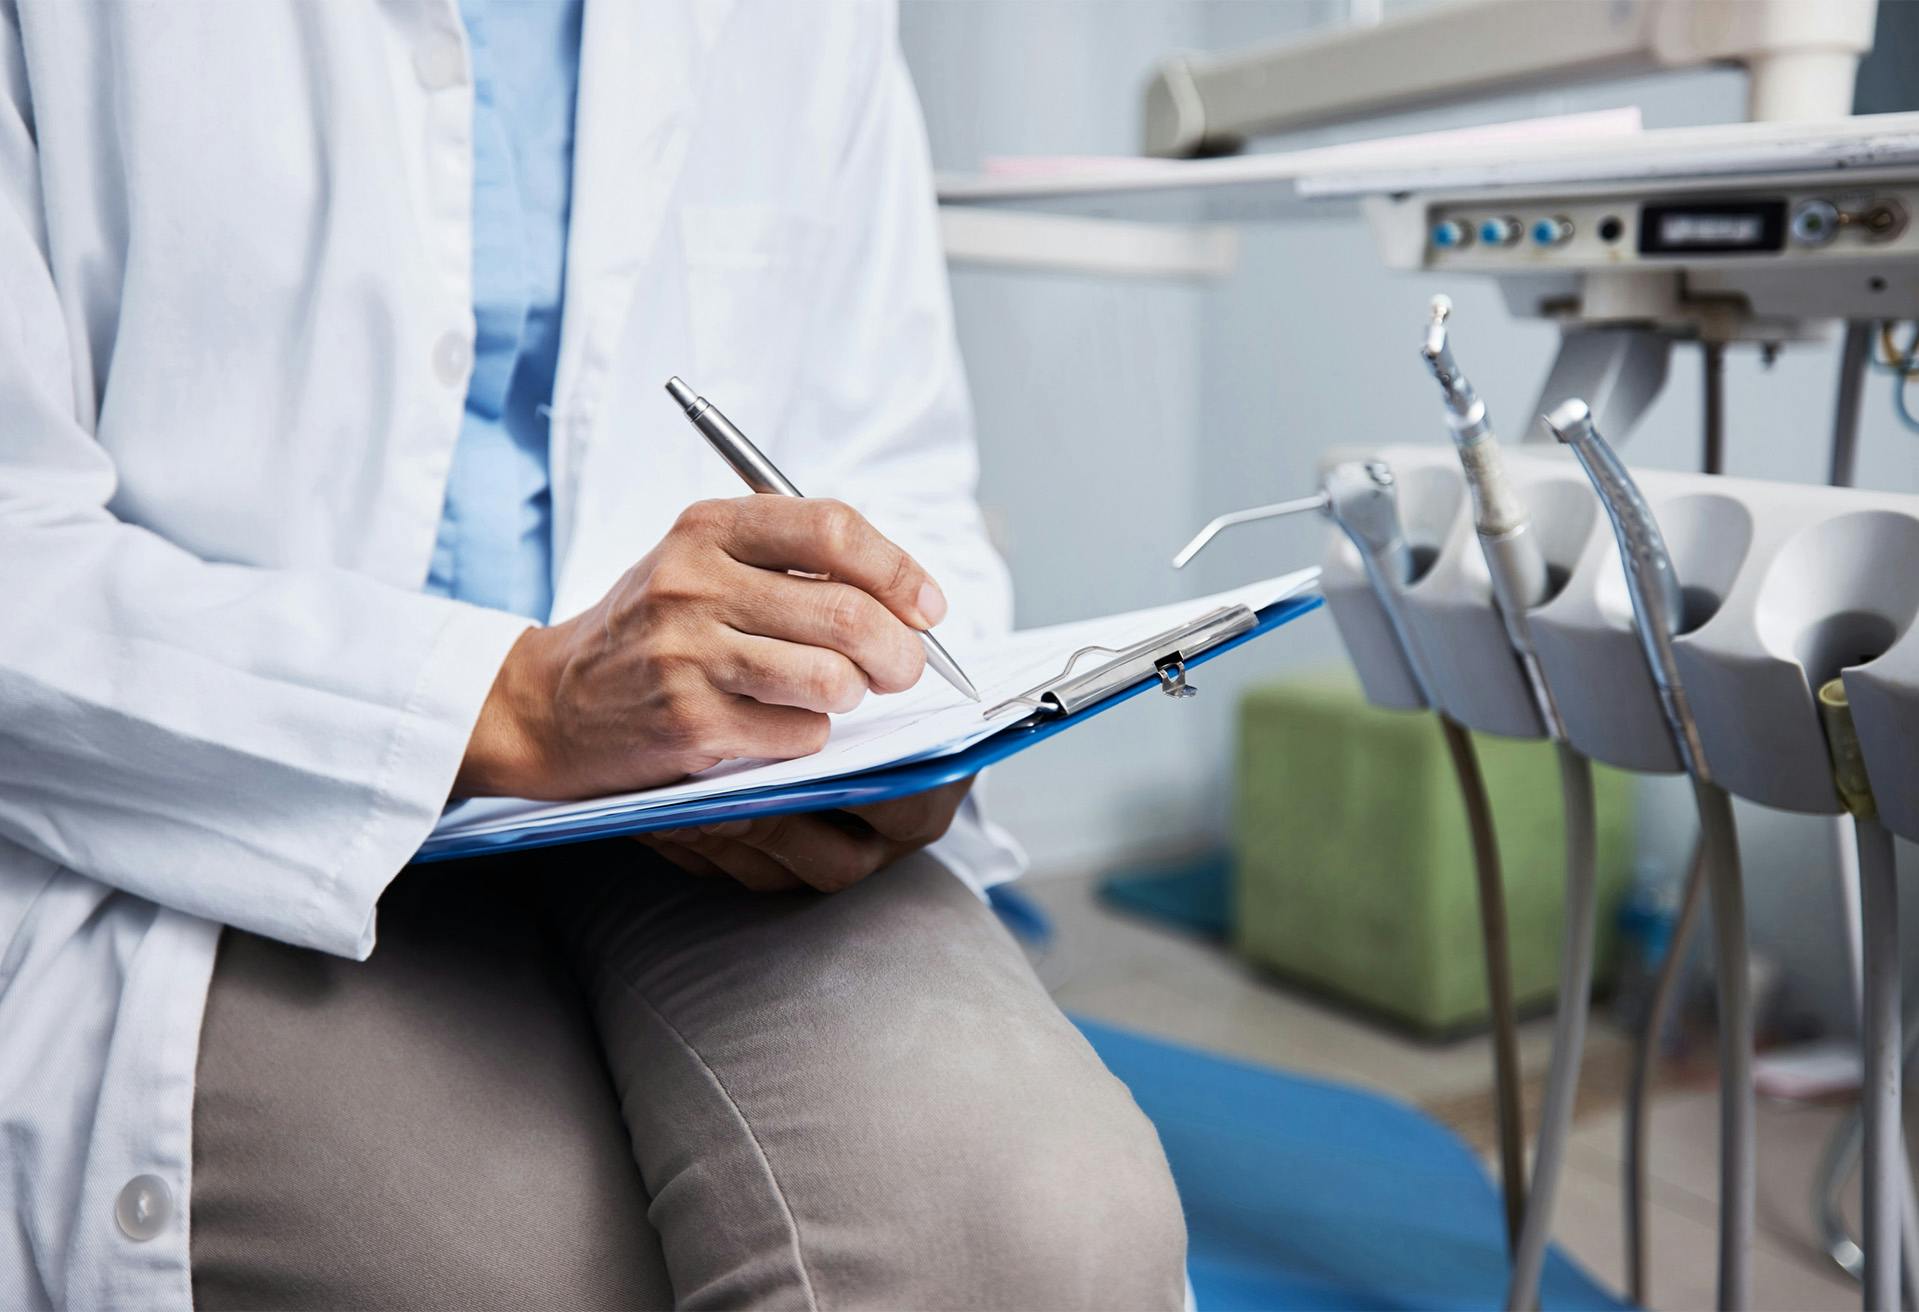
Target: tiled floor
[[1114, 968]]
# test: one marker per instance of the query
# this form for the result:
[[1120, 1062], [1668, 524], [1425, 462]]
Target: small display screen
[[1743, 227]]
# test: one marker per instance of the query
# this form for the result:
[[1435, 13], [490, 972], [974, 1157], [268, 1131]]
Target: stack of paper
[[929, 720]]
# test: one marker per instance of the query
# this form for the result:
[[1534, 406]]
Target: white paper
[[929, 720]]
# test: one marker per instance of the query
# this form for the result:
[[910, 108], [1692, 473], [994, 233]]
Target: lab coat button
[[144, 1207], [439, 64], [452, 357]]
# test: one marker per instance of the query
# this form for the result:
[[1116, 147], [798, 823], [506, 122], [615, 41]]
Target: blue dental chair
[[1302, 1193]]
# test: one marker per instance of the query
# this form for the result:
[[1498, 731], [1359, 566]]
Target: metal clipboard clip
[[1164, 655]]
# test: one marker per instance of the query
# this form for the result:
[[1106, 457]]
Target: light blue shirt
[[495, 544]]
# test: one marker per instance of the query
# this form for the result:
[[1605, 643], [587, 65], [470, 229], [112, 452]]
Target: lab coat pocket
[[748, 290]]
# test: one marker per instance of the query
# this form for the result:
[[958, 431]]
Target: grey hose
[[1652, 586], [1645, 1053], [1499, 974], [1645, 1047], [1713, 456], [1736, 1191], [1885, 1180], [1881, 1178], [1855, 359], [1836, 1166], [1855, 356], [1842, 1154], [1569, 1027]]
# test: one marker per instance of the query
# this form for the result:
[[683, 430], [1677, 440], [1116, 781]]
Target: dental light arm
[[1802, 59], [1653, 587]]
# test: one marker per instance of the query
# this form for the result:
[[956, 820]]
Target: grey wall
[[1086, 392], [1115, 416]]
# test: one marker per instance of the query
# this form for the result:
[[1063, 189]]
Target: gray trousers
[[581, 1079]]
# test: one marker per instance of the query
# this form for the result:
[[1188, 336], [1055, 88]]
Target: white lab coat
[[235, 327]]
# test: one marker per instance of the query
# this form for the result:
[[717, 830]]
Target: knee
[[1049, 1184], [1078, 1202], [978, 1142]]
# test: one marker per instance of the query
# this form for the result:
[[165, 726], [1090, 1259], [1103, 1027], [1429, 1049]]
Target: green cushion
[[1354, 866]]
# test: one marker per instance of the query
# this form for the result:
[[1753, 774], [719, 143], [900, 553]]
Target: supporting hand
[[827, 851]]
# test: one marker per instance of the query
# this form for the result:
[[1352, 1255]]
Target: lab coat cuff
[[422, 759]]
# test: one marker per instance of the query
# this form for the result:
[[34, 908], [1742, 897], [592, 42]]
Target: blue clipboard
[[840, 792]]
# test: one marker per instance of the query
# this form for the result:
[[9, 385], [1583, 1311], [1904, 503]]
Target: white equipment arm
[[1802, 56]]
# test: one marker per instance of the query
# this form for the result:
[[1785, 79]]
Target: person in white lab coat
[[286, 562]]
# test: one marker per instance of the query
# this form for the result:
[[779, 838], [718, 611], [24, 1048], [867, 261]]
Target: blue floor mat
[[1305, 1194], [1194, 895]]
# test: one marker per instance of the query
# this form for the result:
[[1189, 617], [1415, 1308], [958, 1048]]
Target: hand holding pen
[[707, 650], [760, 474]]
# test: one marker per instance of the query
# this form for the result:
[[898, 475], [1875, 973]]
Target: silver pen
[[762, 475]]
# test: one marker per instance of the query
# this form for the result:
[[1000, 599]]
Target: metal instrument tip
[[1570, 420], [680, 392]]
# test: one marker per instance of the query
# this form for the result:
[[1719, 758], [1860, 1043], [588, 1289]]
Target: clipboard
[[1092, 681]]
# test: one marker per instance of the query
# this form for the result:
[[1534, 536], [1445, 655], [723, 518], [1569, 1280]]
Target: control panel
[[1607, 232]]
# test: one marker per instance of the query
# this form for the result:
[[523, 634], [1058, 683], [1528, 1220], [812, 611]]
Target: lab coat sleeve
[[885, 404], [260, 747]]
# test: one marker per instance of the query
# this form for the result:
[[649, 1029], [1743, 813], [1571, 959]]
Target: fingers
[[741, 728], [699, 853], [777, 673], [748, 866], [836, 617], [827, 855], [831, 538], [918, 819], [679, 855]]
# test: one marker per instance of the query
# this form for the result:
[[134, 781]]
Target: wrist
[[505, 752]]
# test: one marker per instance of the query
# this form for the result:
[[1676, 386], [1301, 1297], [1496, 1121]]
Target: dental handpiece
[[1362, 498], [1506, 539], [1651, 583]]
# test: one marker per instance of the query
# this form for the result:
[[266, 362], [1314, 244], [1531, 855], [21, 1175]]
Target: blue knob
[[1499, 231], [1448, 234], [1551, 232]]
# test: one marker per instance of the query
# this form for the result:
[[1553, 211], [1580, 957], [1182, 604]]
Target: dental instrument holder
[[1786, 586], [1446, 609]]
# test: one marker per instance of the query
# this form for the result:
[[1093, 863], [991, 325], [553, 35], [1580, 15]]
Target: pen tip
[[680, 392]]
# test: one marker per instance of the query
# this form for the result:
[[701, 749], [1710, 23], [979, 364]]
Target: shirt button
[[144, 1207], [439, 63], [452, 357]]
